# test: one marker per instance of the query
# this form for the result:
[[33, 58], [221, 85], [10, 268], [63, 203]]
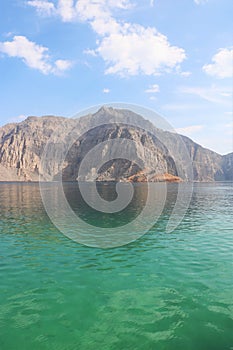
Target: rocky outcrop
[[22, 146], [142, 176], [227, 166], [207, 165]]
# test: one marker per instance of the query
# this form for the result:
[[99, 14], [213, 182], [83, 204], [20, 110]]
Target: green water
[[164, 291]]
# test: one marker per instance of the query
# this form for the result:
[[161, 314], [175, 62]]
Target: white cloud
[[180, 107], [226, 94], [106, 91], [33, 55], [185, 74], [18, 119], [222, 66], [200, 2], [153, 89], [90, 52], [126, 48], [43, 7], [135, 49], [189, 130], [63, 65], [21, 117], [66, 10], [229, 125], [8, 34], [86, 10], [99, 14], [210, 93]]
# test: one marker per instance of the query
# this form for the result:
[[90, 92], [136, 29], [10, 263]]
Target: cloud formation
[[213, 93], [86, 10], [126, 48], [33, 55], [189, 130], [135, 49], [222, 66], [153, 89], [200, 2], [43, 7]]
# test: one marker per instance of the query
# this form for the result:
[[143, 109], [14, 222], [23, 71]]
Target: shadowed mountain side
[[165, 154]]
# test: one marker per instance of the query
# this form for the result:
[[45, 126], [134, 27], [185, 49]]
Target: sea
[[162, 291]]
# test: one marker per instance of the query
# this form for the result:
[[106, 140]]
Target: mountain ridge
[[22, 145]]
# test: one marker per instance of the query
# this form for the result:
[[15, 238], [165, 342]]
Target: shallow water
[[163, 291]]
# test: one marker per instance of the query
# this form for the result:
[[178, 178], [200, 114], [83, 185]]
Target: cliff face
[[22, 145], [207, 165], [158, 160], [227, 165]]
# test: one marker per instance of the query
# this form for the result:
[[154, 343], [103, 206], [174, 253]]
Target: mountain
[[227, 165], [166, 155]]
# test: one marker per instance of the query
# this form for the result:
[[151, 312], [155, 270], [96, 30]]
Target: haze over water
[[163, 291]]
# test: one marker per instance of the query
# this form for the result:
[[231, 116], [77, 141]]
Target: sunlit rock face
[[227, 165], [162, 152]]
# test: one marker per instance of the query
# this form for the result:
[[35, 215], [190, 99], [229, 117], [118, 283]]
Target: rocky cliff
[[22, 146], [227, 165]]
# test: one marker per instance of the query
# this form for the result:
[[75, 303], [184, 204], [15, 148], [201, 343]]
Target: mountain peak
[[21, 148], [105, 108]]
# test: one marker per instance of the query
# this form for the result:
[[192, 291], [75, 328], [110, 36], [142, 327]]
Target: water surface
[[163, 291]]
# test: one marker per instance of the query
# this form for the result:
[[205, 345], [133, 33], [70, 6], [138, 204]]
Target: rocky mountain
[[227, 165], [50, 147]]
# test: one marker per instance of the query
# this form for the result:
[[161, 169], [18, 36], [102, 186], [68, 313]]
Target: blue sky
[[58, 57]]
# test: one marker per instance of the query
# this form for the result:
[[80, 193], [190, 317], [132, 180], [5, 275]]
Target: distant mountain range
[[22, 145]]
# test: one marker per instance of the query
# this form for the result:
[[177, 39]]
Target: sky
[[175, 57]]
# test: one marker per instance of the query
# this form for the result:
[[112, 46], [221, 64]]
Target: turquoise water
[[164, 291]]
